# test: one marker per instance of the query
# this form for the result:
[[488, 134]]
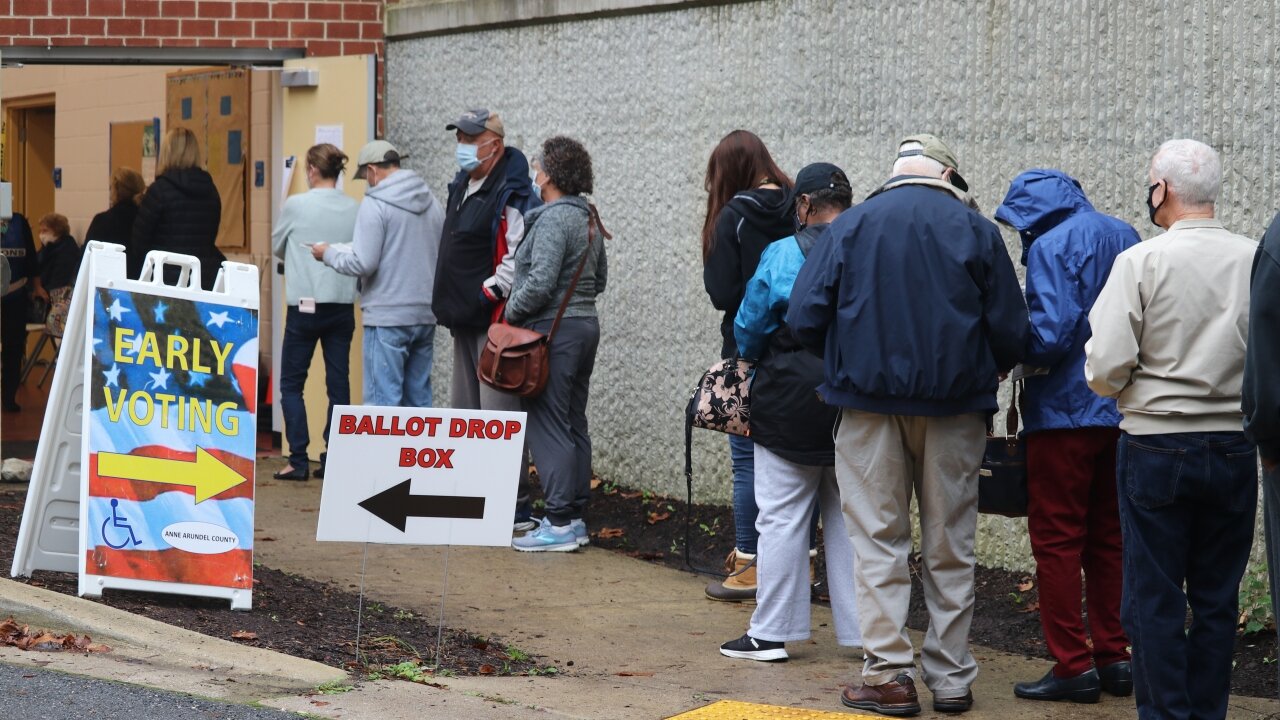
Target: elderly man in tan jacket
[[1169, 332]]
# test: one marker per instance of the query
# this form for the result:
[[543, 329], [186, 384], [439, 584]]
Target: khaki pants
[[880, 461]]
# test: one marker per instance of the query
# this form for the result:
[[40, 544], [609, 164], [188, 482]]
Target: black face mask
[[1152, 208]]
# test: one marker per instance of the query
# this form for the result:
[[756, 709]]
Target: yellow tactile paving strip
[[734, 710]]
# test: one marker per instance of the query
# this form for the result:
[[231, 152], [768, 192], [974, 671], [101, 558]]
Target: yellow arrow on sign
[[208, 475]]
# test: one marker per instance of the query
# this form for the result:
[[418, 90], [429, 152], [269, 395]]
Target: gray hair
[[1192, 169], [917, 165]]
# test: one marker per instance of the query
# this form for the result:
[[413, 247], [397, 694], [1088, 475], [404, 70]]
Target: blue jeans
[[332, 325], [742, 454], [397, 365], [1187, 504]]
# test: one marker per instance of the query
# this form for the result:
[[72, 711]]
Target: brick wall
[[323, 28]]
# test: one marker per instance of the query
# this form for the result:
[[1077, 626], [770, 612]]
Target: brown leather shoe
[[896, 697], [964, 703]]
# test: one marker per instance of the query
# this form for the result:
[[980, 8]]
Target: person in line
[[59, 261], [915, 306], [1168, 343], [1071, 433], [19, 247], [321, 302], [393, 253], [488, 201], [560, 236], [794, 453], [747, 196], [115, 224], [180, 212], [1261, 392]]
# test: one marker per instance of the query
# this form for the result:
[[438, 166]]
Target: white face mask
[[46, 238]]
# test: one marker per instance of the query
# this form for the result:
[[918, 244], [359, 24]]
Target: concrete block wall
[[1091, 88]]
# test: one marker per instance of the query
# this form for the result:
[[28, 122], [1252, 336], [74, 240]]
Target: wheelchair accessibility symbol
[[121, 525]]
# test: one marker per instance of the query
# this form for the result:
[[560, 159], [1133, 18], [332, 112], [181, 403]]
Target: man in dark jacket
[[912, 299], [19, 248], [1261, 391], [1073, 518], [483, 224]]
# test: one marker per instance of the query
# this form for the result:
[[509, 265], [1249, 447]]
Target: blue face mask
[[468, 156]]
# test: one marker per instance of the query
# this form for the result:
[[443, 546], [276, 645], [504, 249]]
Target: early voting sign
[[165, 381], [421, 476]]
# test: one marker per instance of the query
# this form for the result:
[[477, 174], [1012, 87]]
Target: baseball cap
[[934, 149], [474, 122], [378, 151], [815, 177]]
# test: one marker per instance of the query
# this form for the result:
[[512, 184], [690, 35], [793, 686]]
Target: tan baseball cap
[[934, 149], [378, 151]]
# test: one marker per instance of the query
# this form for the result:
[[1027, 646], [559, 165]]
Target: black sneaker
[[749, 648]]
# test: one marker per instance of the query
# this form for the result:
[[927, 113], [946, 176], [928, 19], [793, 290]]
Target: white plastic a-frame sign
[[147, 450]]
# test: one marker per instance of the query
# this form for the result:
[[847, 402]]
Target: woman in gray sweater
[[558, 236]]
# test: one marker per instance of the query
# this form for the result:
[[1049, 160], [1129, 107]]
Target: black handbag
[[1002, 481]]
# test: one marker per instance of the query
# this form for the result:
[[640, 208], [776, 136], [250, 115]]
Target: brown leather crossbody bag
[[518, 360]]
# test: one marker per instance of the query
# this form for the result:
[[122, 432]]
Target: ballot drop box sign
[[421, 476]]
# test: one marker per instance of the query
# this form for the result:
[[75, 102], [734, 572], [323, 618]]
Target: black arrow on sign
[[395, 506]]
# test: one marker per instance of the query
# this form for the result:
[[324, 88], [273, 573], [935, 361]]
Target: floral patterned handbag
[[722, 399], [721, 402]]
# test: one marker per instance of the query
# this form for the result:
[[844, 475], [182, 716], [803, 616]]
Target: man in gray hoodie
[[393, 253]]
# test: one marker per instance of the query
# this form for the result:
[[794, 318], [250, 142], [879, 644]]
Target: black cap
[[815, 177]]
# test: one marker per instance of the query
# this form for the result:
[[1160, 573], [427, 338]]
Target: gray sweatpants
[[880, 461], [557, 429], [787, 494], [468, 393]]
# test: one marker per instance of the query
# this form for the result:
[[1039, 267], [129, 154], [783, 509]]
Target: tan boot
[[740, 586]]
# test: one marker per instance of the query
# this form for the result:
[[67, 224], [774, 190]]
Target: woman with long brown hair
[[180, 212], [115, 224], [747, 209]]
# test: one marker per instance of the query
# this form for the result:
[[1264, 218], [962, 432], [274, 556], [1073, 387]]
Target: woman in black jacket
[[746, 210], [180, 212], [115, 225], [59, 260]]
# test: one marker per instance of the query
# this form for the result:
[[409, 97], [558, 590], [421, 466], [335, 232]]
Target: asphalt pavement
[[35, 693]]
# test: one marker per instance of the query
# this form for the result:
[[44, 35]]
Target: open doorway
[[30, 129]]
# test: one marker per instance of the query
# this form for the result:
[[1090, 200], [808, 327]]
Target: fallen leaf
[[486, 669], [265, 538], [1026, 584], [630, 495], [606, 533], [627, 673], [655, 518], [1030, 608], [320, 703], [595, 483], [244, 635]]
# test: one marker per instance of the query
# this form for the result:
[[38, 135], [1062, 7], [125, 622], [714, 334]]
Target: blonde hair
[[126, 185], [180, 150]]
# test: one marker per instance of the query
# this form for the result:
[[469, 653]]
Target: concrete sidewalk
[[641, 638]]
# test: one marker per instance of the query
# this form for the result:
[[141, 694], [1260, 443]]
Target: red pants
[[1075, 524]]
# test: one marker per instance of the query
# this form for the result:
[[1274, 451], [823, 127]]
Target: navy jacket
[[912, 299], [1068, 248], [1261, 391]]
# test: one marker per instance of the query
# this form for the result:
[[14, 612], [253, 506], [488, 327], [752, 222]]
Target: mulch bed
[[300, 617], [315, 620]]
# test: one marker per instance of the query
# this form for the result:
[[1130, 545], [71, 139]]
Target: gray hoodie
[[394, 251], [554, 243]]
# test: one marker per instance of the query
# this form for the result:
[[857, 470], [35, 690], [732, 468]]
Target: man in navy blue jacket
[[912, 300], [1073, 516]]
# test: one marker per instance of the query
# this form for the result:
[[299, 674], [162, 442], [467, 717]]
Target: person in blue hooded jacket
[[1073, 517]]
